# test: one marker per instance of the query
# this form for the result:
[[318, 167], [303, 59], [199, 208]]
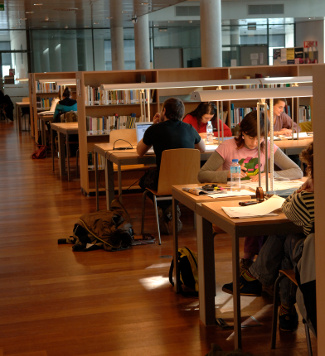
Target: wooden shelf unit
[[96, 79], [34, 78]]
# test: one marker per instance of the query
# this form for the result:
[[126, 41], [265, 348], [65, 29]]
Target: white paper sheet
[[262, 209], [228, 193], [277, 184]]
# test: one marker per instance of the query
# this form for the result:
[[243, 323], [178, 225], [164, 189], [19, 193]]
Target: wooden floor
[[56, 302]]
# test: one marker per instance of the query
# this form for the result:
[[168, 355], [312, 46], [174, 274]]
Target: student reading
[[283, 124], [205, 112], [167, 132]]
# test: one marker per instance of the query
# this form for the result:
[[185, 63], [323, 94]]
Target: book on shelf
[[237, 114], [91, 161], [47, 87], [100, 96], [103, 125], [44, 103]]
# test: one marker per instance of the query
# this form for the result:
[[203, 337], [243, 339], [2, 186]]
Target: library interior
[[126, 226]]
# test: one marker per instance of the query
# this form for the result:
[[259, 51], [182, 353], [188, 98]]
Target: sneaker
[[289, 322], [244, 264], [252, 288]]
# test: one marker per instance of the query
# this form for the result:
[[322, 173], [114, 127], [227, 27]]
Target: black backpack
[[187, 260]]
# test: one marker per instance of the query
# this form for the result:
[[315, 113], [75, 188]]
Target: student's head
[[173, 109], [66, 92], [248, 131], [278, 106], [307, 157], [204, 112]]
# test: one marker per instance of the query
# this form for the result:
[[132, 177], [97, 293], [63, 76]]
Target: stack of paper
[[260, 209], [229, 193]]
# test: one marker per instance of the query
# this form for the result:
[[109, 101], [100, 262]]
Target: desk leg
[[61, 154], [52, 148], [68, 155], [109, 179], [236, 294], [206, 271], [96, 180], [175, 247]]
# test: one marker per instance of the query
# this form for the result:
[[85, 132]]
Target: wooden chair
[[178, 166], [291, 275]]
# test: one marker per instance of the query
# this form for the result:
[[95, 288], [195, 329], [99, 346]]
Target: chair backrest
[[70, 116], [178, 166], [123, 137]]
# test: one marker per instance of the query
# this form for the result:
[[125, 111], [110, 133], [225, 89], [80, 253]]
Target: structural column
[[141, 43], [211, 35], [117, 36]]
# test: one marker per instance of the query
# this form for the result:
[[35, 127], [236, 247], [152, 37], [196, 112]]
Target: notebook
[[140, 128]]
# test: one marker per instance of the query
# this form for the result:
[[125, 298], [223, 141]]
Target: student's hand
[[286, 132], [156, 118], [255, 178], [308, 186]]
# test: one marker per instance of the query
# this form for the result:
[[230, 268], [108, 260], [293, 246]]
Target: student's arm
[[288, 168], [209, 173], [200, 146], [142, 148]]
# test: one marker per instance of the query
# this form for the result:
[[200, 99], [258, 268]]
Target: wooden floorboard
[[58, 302]]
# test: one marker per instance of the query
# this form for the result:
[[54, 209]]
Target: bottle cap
[[235, 160]]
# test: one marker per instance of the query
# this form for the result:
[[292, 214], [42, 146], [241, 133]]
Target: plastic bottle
[[209, 132], [235, 182]]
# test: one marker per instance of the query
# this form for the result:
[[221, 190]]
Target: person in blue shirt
[[64, 105]]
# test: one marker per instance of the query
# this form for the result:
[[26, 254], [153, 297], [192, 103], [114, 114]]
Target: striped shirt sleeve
[[299, 208]]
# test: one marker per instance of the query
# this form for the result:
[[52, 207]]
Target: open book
[[267, 207]]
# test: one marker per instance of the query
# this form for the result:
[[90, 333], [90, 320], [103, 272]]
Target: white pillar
[[211, 39], [141, 43], [117, 35]]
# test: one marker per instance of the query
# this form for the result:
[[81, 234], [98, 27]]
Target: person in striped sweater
[[280, 251]]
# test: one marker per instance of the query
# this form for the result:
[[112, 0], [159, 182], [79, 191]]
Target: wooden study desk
[[212, 213], [64, 129], [293, 147], [19, 106], [191, 201], [121, 158]]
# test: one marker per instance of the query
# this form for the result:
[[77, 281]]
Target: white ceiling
[[21, 14]]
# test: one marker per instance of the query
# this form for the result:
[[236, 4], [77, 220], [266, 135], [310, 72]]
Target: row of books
[[103, 125], [237, 114], [304, 113], [99, 96], [47, 87], [44, 103]]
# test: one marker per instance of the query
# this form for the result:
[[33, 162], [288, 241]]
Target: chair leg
[[310, 350], [275, 310], [144, 195], [157, 218]]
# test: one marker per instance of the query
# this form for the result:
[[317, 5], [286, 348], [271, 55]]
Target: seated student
[[168, 132], [6, 106], [244, 147], [280, 251], [64, 105], [282, 122], [199, 118]]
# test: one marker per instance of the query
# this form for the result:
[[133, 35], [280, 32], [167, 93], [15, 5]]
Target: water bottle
[[235, 169], [209, 132]]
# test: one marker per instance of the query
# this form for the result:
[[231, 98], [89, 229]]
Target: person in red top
[[199, 118]]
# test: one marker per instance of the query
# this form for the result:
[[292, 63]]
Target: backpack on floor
[[188, 277]]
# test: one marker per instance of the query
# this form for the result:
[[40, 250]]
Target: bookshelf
[[108, 94], [43, 88]]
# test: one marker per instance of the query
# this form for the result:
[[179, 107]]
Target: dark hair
[[307, 157], [203, 109], [174, 109], [66, 92], [275, 101], [248, 126]]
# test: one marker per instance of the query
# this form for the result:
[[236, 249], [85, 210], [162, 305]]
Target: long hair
[[203, 109], [307, 157], [248, 126]]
